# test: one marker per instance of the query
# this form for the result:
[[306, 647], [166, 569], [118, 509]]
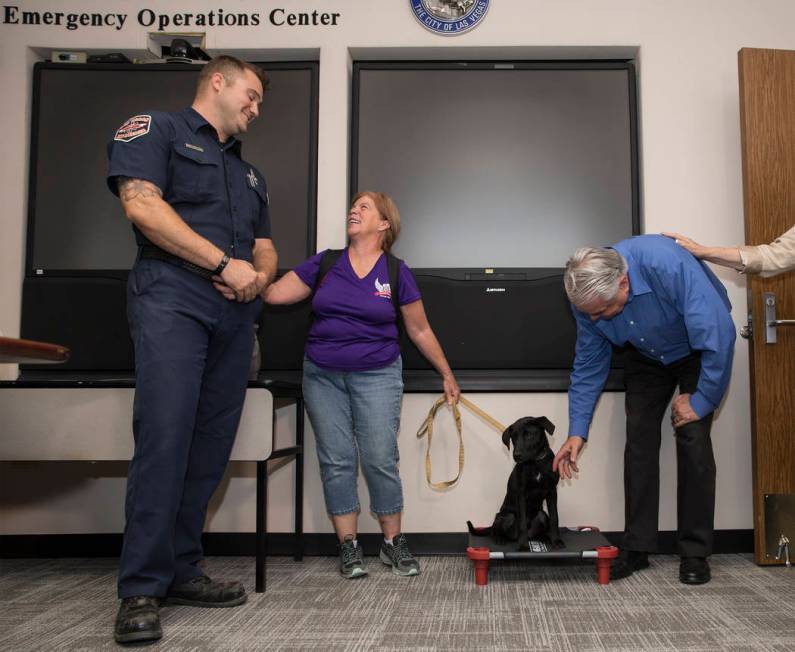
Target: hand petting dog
[[565, 461]]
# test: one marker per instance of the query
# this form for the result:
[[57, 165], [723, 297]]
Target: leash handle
[[427, 429]]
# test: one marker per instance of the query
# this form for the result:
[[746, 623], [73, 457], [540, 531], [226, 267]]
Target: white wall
[[691, 181]]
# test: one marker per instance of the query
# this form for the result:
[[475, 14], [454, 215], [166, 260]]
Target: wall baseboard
[[243, 544]]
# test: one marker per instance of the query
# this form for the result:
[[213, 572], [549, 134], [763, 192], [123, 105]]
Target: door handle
[[747, 331], [771, 323]]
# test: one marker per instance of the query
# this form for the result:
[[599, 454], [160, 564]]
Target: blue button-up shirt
[[220, 196], [675, 306]]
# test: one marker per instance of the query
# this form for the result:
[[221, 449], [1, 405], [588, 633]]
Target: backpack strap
[[327, 261], [393, 268]]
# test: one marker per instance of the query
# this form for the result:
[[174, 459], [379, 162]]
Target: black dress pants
[[650, 387]]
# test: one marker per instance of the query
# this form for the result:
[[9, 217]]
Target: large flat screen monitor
[[499, 165]]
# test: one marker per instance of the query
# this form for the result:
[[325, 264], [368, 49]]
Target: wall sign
[[278, 17], [449, 17]]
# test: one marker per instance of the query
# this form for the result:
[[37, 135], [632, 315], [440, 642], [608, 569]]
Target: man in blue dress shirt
[[201, 222], [673, 314]]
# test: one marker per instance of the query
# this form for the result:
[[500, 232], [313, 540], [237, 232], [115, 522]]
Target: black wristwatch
[[222, 265]]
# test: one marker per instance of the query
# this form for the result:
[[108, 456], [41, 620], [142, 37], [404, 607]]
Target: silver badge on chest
[[252, 178]]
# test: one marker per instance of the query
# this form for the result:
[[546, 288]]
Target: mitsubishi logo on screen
[[449, 17]]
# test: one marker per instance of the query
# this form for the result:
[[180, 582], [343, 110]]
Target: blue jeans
[[355, 416]]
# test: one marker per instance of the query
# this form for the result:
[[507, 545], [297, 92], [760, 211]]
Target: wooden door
[[767, 113]]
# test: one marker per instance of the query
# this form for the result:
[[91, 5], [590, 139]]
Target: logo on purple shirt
[[382, 289]]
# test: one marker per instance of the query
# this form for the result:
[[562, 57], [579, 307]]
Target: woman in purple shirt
[[353, 382]]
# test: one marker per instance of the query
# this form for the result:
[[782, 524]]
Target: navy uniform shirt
[[220, 196], [675, 306]]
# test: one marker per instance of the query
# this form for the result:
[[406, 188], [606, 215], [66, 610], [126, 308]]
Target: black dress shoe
[[694, 570], [201, 591], [138, 620], [627, 562]]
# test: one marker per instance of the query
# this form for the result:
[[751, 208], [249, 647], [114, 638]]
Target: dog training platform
[[579, 543]]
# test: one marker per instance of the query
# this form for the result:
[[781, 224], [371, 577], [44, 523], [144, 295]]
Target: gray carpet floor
[[69, 604]]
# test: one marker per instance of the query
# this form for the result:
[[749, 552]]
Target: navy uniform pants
[[650, 386], [192, 355]]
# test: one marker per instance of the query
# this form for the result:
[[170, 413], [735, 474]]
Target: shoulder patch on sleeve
[[136, 126]]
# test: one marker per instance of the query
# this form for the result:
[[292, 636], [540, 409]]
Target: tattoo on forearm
[[130, 188]]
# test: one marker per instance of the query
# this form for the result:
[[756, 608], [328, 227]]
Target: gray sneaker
[[399, 557], [351, 563]]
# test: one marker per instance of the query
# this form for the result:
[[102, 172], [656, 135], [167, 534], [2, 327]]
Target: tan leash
[[427, 428]]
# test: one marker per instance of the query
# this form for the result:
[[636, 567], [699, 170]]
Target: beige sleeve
[[770, 259]]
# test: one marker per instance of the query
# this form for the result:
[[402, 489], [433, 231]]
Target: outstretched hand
[[699, 251], [565, 461]]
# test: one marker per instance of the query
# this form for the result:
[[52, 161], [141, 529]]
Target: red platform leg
[[604, 560], [480, 558]]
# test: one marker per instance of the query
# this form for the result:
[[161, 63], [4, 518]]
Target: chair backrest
[[95, 424]]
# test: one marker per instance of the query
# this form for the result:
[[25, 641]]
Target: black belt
[[150, 252]]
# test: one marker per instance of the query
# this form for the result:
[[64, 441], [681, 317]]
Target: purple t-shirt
[[355, 327]]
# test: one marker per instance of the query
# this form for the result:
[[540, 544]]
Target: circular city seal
[[449, 17]]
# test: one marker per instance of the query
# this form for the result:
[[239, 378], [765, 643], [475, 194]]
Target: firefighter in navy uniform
[[200, 216]]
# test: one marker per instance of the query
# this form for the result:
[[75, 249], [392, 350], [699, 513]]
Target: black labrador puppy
[[522, 517]]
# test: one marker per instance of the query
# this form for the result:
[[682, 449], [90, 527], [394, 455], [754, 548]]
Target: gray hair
[[593, 273]]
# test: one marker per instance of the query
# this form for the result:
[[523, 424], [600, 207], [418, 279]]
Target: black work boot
[[138, 620], [627, 562], [201, 591]]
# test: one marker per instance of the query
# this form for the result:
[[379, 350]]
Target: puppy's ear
[[506, 437], [546, 424]]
